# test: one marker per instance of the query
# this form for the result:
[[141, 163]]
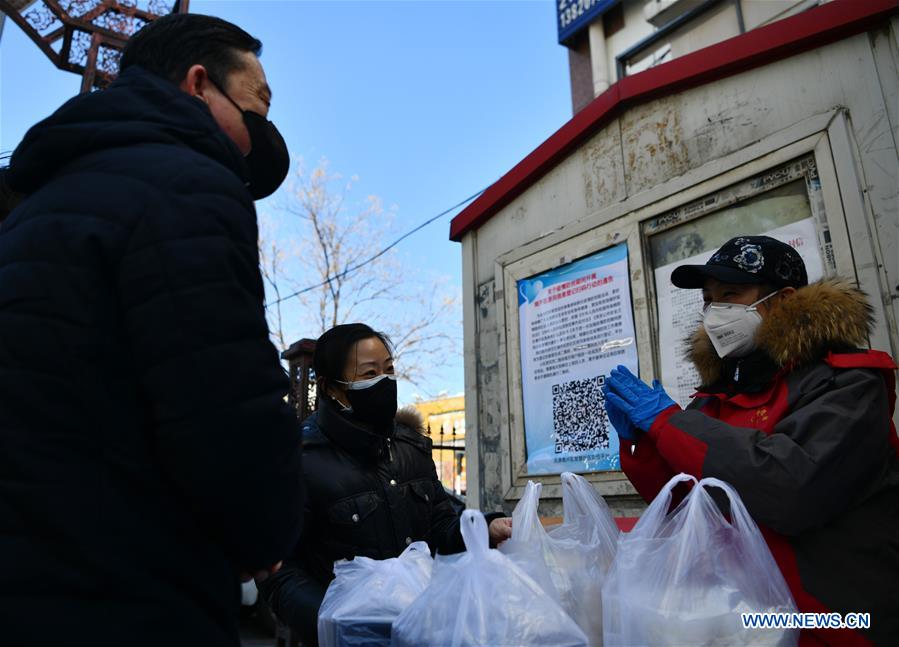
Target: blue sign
[[575, 325], [575, 15]]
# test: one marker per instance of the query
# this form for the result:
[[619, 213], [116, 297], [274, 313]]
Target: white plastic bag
[[684, 577], [576, 555], [525, 547], [367, 595], [481, 598]]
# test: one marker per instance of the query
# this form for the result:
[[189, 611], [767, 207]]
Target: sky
[[425, 102]]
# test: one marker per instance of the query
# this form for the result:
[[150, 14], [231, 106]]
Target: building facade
[[444, 420], [623, 37]]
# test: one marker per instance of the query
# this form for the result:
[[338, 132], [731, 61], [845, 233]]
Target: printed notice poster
[[680, 311], [576, 325]]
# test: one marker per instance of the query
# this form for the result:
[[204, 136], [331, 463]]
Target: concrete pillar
[[599, 59]]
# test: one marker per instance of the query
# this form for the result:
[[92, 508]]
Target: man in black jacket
[[147, 457]]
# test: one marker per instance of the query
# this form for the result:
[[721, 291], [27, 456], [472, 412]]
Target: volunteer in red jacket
[[795, 417]]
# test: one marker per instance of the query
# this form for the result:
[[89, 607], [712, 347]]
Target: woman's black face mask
[[373, 401], [268, 160]]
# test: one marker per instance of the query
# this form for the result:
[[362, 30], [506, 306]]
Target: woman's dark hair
[[170, 45], [333, 349]]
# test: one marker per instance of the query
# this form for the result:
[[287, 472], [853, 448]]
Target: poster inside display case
[[576, 324]]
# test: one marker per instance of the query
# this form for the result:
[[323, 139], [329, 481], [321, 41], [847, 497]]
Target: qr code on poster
[[579, 416]]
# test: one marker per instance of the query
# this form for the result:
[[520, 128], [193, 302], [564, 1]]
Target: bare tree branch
[[322, 235]]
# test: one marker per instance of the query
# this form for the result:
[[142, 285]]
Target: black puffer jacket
[[146, 453], [368, 496]]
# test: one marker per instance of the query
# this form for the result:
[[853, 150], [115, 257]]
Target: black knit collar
[[349, 434], [750, 374]]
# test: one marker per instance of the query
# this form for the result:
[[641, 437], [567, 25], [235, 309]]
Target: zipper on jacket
[[386, 495], [389, 451]]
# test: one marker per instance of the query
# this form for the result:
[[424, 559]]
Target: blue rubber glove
[[615, 409], [639, 401]]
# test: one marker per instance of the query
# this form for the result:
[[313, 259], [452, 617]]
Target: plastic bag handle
[[526, 524], [579, 498], [474, 532], [415, 547], [739, 515], [572, 504], [658, 509]]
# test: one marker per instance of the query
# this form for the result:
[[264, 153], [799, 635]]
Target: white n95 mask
[[732, 327]]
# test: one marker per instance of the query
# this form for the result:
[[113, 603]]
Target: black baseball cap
[[754, 260]]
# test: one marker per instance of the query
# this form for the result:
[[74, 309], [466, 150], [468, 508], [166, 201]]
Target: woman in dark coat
[[372, 488]]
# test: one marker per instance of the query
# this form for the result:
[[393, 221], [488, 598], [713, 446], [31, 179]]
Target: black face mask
[[268, 160], [375, 404]]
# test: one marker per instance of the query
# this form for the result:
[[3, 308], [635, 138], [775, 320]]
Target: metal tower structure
[[86, 36], [302, 396]]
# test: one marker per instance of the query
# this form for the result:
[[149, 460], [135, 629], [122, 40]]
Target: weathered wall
[[490, 439]]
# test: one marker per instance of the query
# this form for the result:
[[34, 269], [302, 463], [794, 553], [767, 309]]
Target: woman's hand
[[260, 576], [500, 530]]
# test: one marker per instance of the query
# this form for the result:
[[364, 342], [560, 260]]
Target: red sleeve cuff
[[655, 430], [645, 467], [682, 451]]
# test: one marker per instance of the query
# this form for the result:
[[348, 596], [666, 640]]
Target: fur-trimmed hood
[[328, 425], [826, 315], [410, 417]]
